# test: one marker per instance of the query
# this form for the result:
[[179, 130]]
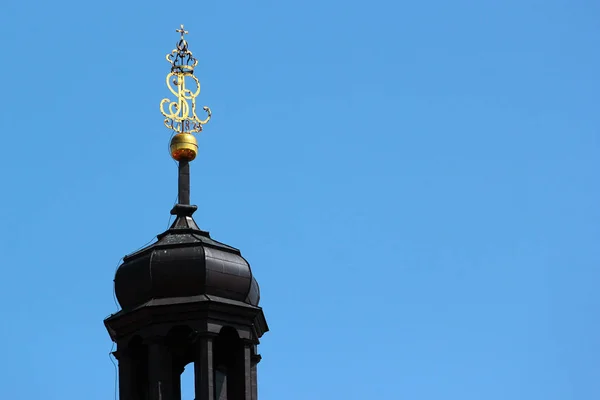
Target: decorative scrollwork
[[180, 114]]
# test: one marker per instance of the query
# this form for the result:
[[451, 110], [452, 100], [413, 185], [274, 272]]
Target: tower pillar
[[128, 389], [245, 371], [203, 368], [177, 382], [160, 371], [255, 359]]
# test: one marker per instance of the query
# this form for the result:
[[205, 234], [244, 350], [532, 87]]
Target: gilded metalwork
[[184, 147], [180, 114]]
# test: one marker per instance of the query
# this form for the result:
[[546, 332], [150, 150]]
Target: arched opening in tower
[[187, 383], [229, 365], [180, 341]]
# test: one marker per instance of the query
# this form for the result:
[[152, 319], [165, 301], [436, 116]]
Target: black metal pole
[[184, 182]]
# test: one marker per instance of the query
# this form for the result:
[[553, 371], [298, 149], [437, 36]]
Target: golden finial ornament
[[180, 114]]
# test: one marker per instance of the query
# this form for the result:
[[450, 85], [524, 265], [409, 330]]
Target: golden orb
[[184, 147]]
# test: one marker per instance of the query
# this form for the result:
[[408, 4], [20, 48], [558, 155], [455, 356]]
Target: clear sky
[[415, 185]]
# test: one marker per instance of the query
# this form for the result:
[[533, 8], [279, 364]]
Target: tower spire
[[187, 300], [180, 113]]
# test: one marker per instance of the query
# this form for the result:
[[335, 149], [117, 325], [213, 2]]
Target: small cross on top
[[182, 31]]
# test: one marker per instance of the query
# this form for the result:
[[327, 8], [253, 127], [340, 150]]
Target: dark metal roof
[[184, 261]]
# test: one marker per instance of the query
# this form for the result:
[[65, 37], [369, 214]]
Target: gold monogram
[[180, 114]]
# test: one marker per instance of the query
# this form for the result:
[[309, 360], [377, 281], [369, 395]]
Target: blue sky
[[415, 185]]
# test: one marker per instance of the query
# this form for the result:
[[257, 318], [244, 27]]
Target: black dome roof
[[184, 262]]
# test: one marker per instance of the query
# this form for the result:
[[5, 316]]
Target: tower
[[187, 298]]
